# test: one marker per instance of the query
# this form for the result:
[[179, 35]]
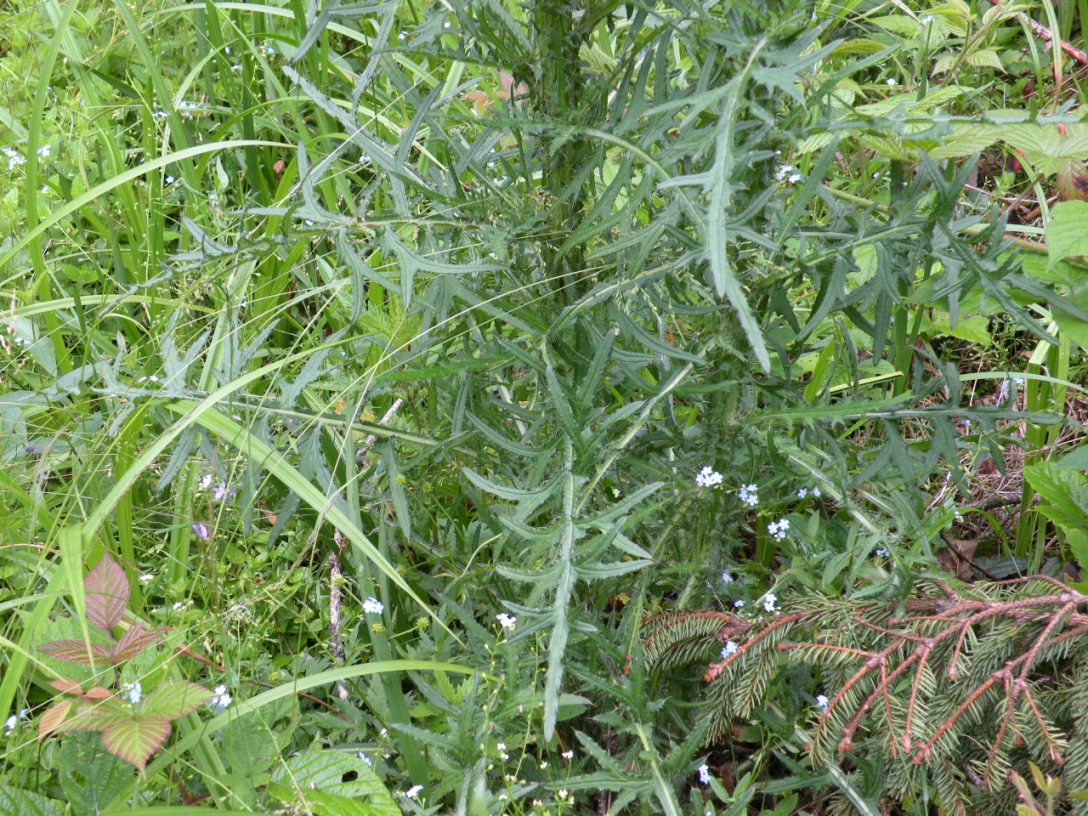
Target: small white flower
[[729, 649], [927, 20], [778, 529], [748, 494], [159, 114], [146, 578], [413, 792], [500, 746], [738, 604], [372, 606], [727, 578], [769, 601], [9, 724], [206, 481], [44, 151], [563, 793], [822, 702], [15, 158], [402, 36], [802, 493], [816, 492], [134, 691], [221, 699], [890, 82], [507, 621], [543, 764], [567, 755], [708, 477], [704, 774], [783, 171]]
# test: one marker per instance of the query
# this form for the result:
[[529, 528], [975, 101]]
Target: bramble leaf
[[134, 641], [175, 698], [73, 651], [67, 686], [135, 740], [51, 720], [96, 716], [107, 593]]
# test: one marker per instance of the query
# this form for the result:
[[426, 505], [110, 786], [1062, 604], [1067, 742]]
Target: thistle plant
[[959, 687], [133, 726]]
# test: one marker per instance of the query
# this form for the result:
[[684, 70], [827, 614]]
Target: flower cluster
[[729, 649], [770, 601], [822, 702], [372, 606], [778, 529], [787, 173], [221, 699], [704, 774], [15, 158], [708, 477], [220, 492], [134, 691], [507, 621], [748, 494]]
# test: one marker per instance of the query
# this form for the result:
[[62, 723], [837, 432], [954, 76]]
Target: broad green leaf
[[324, 772], [106, 591], [90, 776], [17, 802], [135, 740], [1067, 232], [174, 698]]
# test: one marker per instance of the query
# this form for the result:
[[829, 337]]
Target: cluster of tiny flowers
[[787, 173], [501, 748], [704, 774], [881, 552], [221, 699], [727, 578], [372, 606], [507, 621], [567, 755], [778, 529], [770, 601], [804, 493], [822, 702], [186, 109], [729, 649], [708, 477], [748, 494], [266, 50], [134, 691], [15, 158]]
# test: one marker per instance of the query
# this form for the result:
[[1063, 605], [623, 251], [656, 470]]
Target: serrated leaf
[[96, 716], [1067, 232], [132, 642], [53, 717], [599, 571], [67, 686], [175, 698], [135, 740], [106, 590], [502, 491], [73, 651], [18, 802], [98, 693]]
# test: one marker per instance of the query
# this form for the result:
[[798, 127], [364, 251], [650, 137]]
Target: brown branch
[[1044, 33]]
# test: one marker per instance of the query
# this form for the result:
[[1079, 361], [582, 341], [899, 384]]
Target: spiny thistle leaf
[[175, 698], [107, 593], [135, 739]]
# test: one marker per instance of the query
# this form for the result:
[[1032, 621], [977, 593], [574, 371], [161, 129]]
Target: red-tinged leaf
[[107, 593], [134, 740], [53, 717], [175, 698], [72, 651], [98, 693], [67, 686], [132, 642], [96, 716]]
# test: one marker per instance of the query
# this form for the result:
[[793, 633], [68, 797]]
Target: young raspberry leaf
[[67, 686], [107, 593], [96, 716], [51, 720], [73, 651], [132, 642], [135, 739], [175, 698]]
